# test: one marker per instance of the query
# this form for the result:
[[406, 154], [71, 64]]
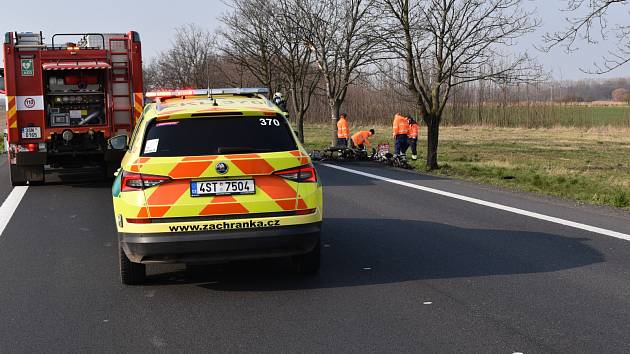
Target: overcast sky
[[156, 21]]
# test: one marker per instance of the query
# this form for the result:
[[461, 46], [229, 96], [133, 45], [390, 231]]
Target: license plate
[[233, 186], [31, 133]]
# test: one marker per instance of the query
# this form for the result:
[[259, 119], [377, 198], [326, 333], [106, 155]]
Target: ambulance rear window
[[217, 136]]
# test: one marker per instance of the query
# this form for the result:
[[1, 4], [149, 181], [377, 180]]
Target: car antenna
[[214, 103]]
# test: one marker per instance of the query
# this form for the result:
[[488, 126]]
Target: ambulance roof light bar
[[207, 92]]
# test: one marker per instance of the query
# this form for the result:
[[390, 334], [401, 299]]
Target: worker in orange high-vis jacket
[[343, 132], [413, 138], [400, 131], [360, 139]]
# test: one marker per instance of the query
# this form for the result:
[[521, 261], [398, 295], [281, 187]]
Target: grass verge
[[586, 165]]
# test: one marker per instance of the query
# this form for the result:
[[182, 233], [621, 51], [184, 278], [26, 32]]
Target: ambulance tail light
[[138, 220], [135, 182], [305, 173]]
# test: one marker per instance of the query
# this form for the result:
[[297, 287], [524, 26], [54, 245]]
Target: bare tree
[[590, 23], [441, 44], [341, 35], [295, 61], [248, 38], [187, 63], [262, 37]]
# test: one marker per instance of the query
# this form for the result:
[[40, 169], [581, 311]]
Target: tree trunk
[[334, 115], [433, 133], [300, 126]]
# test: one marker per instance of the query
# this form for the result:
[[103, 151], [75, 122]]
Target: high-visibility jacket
[[413, 131], [361, 138], [401, 125], [342, 129]]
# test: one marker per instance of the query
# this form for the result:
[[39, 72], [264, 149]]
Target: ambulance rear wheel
[[308, 263], [131, 273]]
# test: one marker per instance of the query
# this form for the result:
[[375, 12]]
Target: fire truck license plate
[[235, 186], [31, 133]]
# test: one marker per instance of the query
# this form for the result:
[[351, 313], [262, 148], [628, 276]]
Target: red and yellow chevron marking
[[12, 112], [279, 190], [193, 166], [135, 167], [274, 194], [303, 158], [203, 166], [138, 106], [223, 205]]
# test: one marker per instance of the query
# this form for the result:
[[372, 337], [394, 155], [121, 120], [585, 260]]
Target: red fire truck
[[1, 81], [66, 98]]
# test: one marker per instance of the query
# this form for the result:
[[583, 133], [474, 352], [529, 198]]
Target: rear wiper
[[239, 150]]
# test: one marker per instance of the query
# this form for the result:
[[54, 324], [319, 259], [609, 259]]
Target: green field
[[587, 165], [540, 116]]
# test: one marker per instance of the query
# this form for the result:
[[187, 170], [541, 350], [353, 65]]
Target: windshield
[[217, 136]]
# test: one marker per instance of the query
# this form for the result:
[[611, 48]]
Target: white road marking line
[[510, 209], [9, 205]]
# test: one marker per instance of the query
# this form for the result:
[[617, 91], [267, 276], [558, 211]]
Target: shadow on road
[[367, 252]]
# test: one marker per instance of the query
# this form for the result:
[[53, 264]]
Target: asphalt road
[[403, 271]]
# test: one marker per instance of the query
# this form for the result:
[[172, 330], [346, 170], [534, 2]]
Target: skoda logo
[[221, 168]]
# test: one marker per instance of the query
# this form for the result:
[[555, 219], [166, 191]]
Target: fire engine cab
[[66, 98]]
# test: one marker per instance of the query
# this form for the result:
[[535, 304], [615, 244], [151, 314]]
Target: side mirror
[[118, 142]]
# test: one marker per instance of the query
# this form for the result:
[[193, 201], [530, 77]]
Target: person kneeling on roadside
[[413, 138], [360, 139], [400, 131]]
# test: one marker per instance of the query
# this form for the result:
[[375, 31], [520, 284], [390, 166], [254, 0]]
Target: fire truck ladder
[[120, 81]]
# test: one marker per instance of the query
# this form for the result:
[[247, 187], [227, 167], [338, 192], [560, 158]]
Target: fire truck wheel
[[131, 273]]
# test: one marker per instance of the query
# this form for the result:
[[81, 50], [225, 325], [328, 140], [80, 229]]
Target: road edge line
[[507, 208], [9, 206]]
